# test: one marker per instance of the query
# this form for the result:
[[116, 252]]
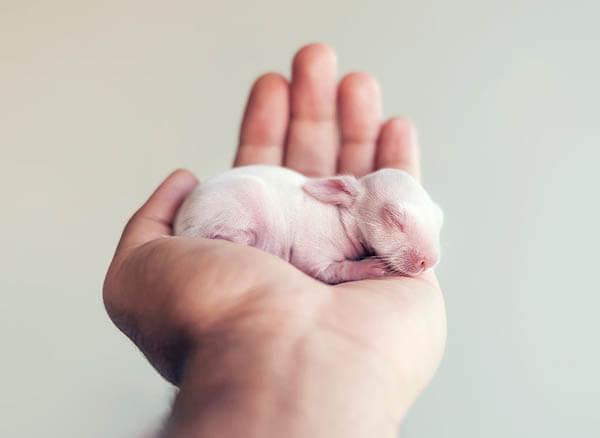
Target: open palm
[[177, 297]]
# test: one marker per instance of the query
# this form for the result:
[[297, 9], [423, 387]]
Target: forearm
[[296, 385]]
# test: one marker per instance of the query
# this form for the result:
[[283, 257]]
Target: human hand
[[402, 317], [229, 322]]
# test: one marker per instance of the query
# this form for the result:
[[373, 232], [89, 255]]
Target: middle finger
[[313, 134]]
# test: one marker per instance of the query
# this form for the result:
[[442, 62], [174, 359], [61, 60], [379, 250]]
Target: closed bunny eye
[[394, 216]]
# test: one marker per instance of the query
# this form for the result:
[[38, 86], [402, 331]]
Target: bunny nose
[[420, 266], [423, 264], [415, 262]]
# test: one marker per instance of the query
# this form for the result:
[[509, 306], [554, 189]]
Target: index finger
[[155, 218], [265, 122]]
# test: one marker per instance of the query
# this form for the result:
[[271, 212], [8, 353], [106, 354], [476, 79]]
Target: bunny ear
[[337, 190]]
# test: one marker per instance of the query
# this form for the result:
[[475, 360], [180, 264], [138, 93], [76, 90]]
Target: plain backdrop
[[100, 100]]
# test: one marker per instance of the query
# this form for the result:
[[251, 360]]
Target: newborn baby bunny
[[335, 229]]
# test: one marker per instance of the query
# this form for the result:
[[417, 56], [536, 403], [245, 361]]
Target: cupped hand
[[179, 297]]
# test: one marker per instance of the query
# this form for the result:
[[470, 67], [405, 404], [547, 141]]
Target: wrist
[[283, 379]]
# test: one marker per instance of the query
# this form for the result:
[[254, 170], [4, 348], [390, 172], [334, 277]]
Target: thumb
[[155, 218]]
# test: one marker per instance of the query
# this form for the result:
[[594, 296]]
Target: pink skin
[[335, 229]]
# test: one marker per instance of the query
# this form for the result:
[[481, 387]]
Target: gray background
[[100, 100]]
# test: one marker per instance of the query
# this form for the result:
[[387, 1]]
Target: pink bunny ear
[[337, 190]]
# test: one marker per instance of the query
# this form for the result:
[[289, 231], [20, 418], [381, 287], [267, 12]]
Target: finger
[[398, 147], [359, 106], [265, 123], [155, 218], [313, 138]]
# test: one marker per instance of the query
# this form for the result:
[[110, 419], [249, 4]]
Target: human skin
[[257, 347]]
